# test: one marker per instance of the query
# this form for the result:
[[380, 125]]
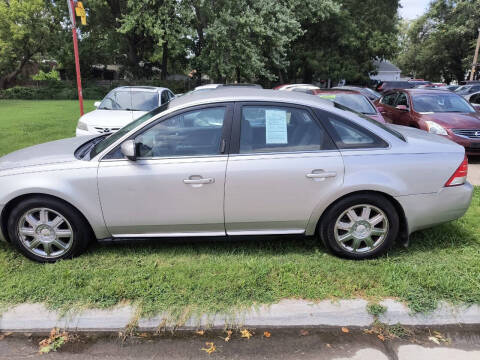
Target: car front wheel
[[46, 230], [361, 226]]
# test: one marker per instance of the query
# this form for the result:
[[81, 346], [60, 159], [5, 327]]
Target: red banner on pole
[[71, 8]]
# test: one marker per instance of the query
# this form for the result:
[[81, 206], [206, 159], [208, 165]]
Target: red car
[[351, 99], [438, 112]]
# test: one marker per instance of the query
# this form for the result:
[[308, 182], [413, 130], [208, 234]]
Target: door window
[[402, 100], [389, 99], [266, 129], [192, 133], [475, 99], [165, 98]]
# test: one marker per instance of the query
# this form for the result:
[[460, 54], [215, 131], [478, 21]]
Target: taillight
[[460, 175], [380, 87]]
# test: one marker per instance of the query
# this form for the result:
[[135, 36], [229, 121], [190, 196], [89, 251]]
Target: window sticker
[[276, 127]]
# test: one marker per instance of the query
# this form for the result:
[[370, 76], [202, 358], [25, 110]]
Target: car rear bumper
[[426, 210]]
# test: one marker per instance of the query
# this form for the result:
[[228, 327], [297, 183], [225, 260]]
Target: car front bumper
[[426, 210], [472, 147]]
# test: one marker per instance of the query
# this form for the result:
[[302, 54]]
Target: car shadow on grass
[[445, 236]]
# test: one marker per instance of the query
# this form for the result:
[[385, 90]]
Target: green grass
[[442, 263], [25, 122]]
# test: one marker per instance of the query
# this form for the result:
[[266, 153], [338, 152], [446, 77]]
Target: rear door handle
[[199, 181], [321, 175]]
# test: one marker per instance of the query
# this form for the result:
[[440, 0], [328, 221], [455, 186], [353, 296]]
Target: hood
[[111, 118], [454, 120], [54, 152], [425, 142]]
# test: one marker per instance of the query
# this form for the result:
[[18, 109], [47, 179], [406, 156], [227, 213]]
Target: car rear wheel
[[360, 226], [46, 230]]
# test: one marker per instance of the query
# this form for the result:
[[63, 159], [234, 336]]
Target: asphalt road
[[460, 344]]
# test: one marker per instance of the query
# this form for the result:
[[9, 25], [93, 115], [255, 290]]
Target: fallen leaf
[[345, 330], [381, 337], [266, 334], [246, 334], [304, 332], [434, 339], [200, 332], [143, 335], [328, 346], [229, 336], [53, 342], [210, 349]]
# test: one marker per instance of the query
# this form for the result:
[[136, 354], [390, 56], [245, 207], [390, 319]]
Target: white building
[[386, 71]]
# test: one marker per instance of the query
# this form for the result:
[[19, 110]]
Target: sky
[[413, 8]]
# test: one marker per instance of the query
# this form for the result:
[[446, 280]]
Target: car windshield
[[98, 148], [441, 103], [372, 92], [130, 100], [356, 102]]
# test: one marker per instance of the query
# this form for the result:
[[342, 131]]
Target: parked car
[[371, 94], [452, 87], [389, 85], [232, 163], [120, 107], [474, 99], [353, 100], [468, 89], [438, 112]]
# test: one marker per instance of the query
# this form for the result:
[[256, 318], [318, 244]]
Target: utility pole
[[71, 10], [475, 58]]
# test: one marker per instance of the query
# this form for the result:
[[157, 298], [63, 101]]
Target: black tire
[[329, 219], [80, 229]]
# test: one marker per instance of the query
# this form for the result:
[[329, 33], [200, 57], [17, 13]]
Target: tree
[[441, 43], [26, 30], [344, 44]]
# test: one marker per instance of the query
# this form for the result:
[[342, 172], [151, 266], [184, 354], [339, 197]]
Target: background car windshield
[[130, 100], [437, 103], [356, 102], [120, 133]]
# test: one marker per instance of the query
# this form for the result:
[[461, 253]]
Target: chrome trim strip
[[167, 234], [266, 232]]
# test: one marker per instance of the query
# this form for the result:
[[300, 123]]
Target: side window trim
[[237, 120], [224, 140]]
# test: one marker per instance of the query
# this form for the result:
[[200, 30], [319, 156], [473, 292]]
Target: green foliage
[[376, 309], [52, 75], [440, 44]]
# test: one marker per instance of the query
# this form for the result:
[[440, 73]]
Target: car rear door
[[176, 185], [282, 164]]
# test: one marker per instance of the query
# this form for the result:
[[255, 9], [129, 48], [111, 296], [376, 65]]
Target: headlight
[[82, 125], [434, 128]]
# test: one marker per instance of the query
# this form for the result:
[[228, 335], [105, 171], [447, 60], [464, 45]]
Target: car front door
[[282, 163], [176, 185], [401, 116], [387, 102]]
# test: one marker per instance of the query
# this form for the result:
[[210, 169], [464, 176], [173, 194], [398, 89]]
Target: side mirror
[[97, 103], [401, 107], [476, 107], [128, 149], [381, 109]]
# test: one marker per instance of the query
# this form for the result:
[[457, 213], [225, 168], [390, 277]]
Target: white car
[[120, 107]]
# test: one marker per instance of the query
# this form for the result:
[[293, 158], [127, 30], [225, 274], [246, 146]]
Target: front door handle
[[199, 181], [321, 174]]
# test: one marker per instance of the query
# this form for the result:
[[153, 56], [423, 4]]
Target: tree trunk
[[164, 68]]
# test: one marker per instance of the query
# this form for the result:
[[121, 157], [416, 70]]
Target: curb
[[36, 318]]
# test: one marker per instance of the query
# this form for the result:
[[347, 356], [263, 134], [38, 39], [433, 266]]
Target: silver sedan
[[234, 162]]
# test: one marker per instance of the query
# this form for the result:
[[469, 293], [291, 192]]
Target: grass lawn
[[441, 264], [24, 122]]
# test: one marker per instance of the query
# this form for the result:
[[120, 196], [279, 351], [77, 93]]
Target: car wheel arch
[[15, 201], [403, 230]]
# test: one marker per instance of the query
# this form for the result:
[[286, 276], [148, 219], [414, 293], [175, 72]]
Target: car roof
[[337, 91], [140, 88], [231, 94]]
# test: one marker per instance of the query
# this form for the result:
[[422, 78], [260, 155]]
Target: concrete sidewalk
[[474, 171], [286, 314]]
